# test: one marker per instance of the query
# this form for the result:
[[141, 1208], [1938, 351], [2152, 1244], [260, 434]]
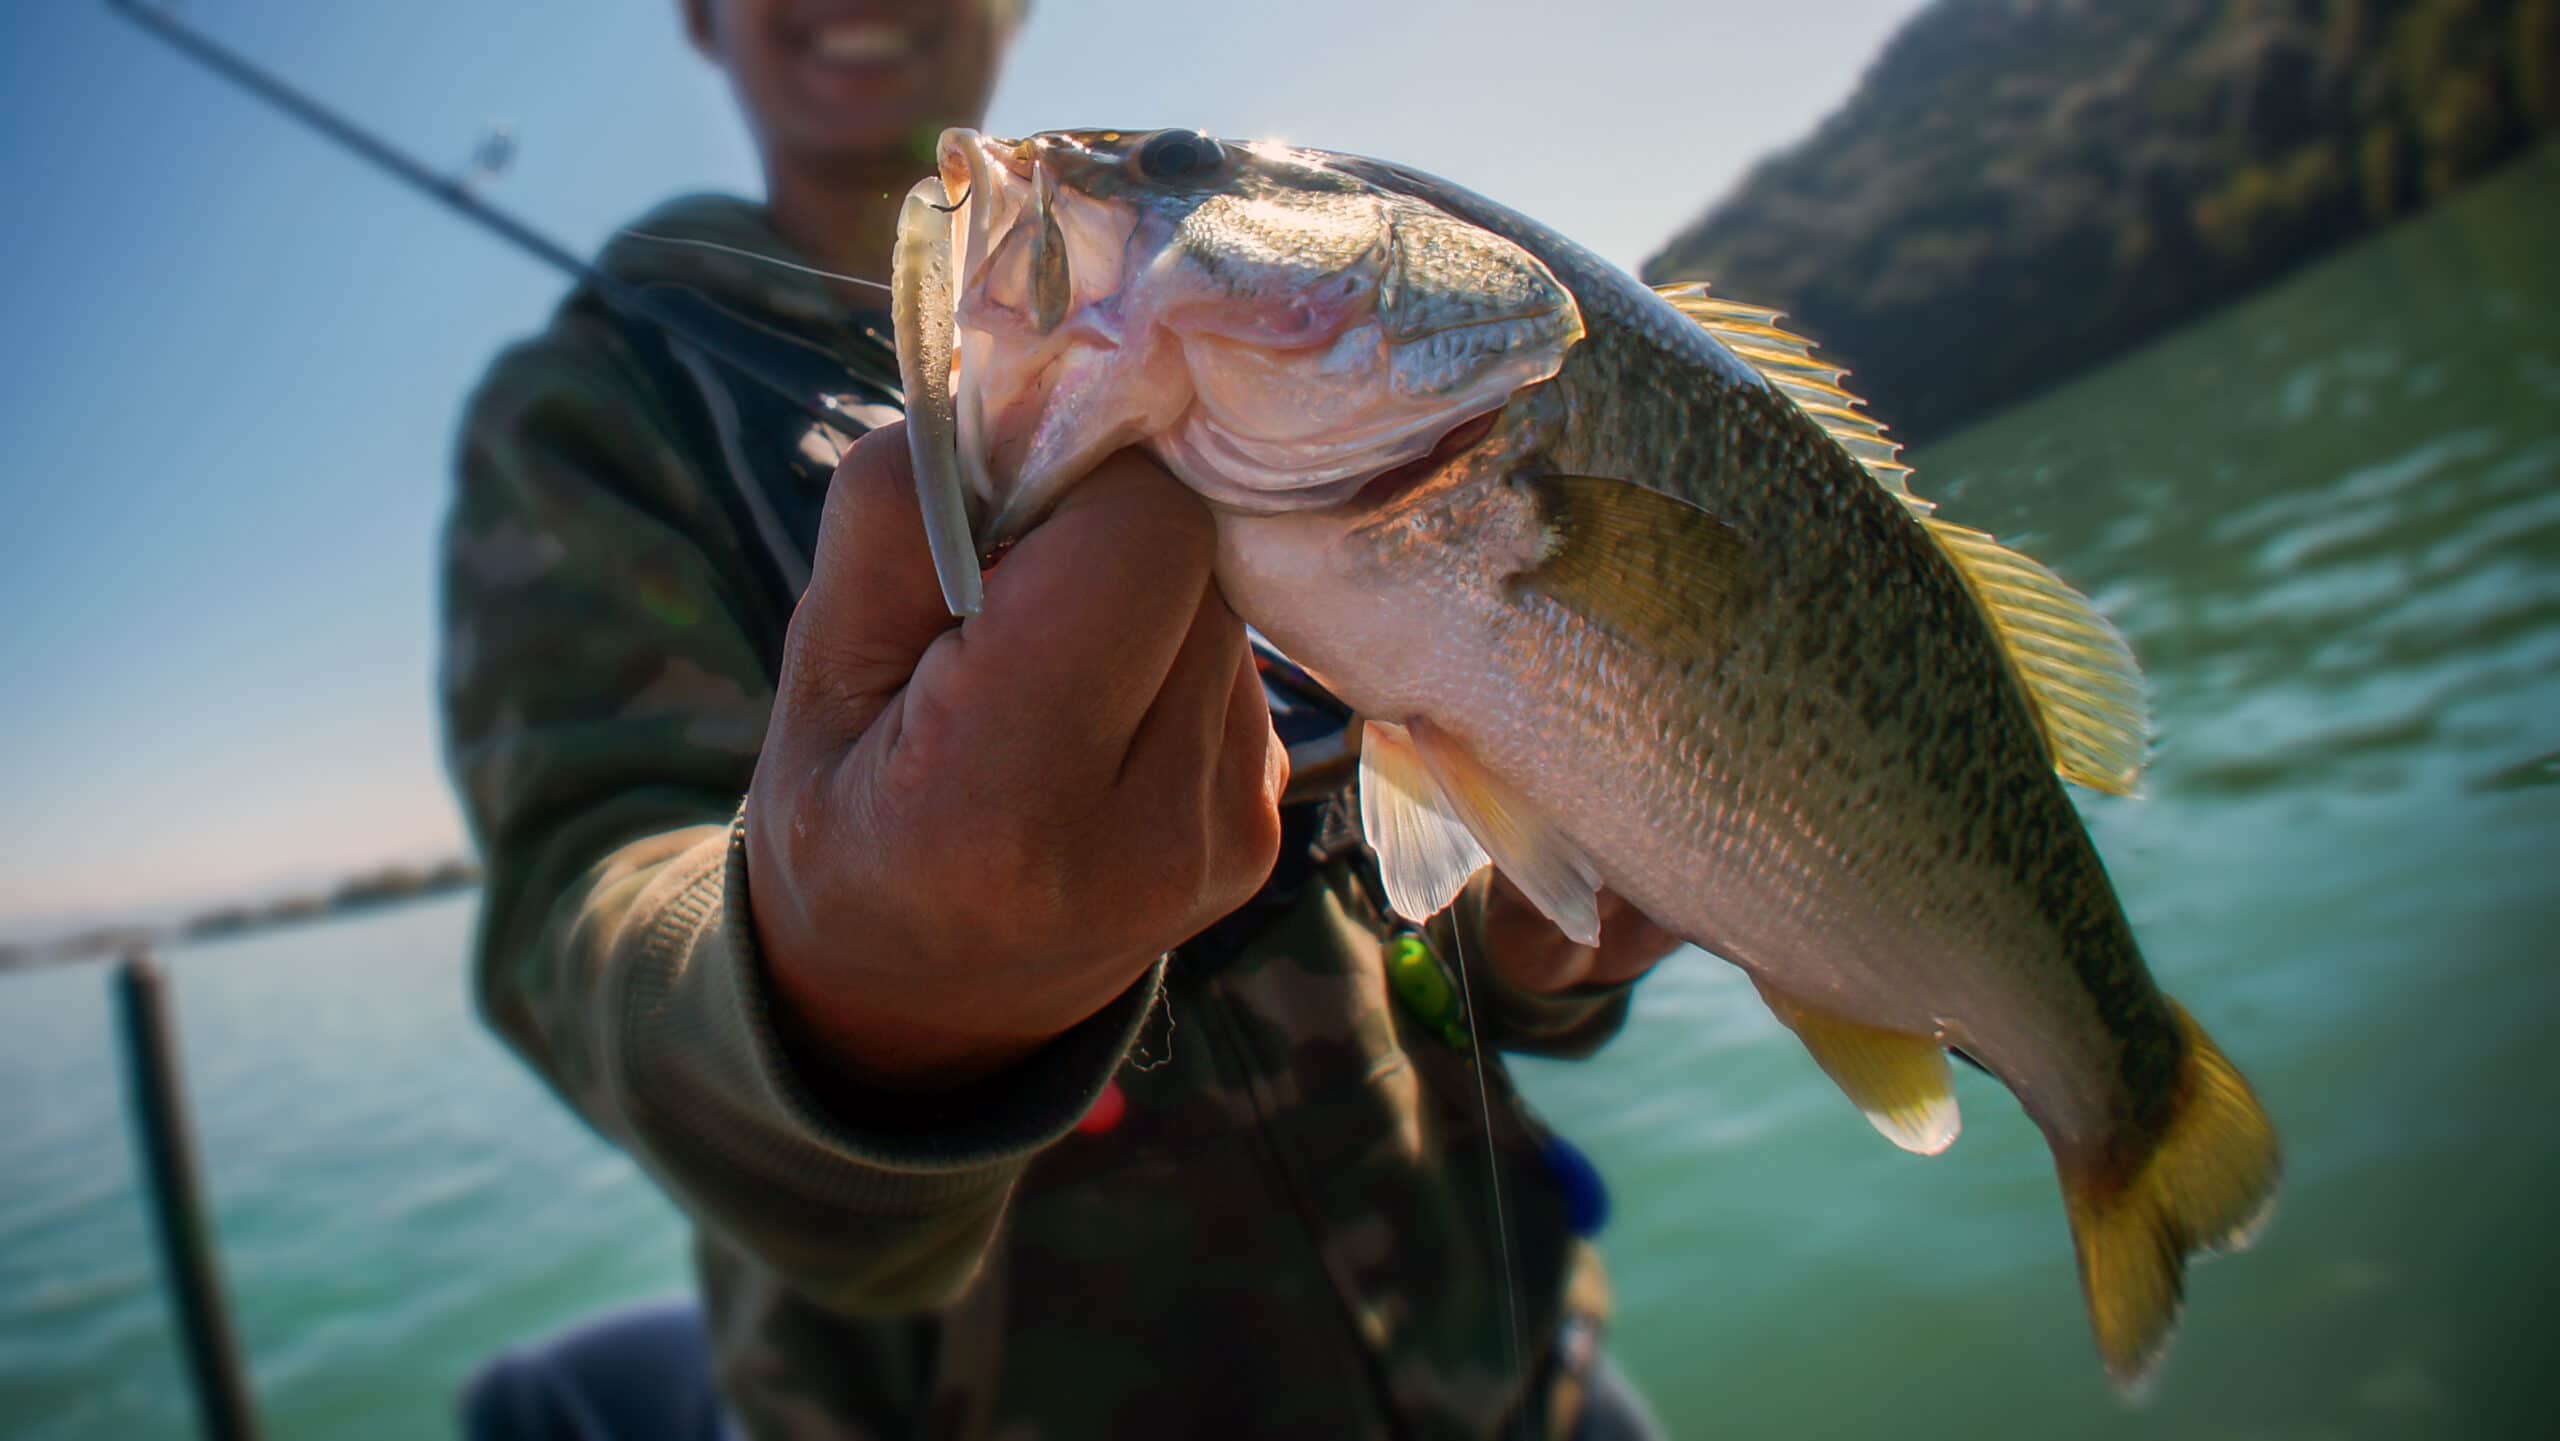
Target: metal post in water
[[167, 1147]]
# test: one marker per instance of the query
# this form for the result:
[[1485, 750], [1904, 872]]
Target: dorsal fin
[[1786, 361], [2079, 675]]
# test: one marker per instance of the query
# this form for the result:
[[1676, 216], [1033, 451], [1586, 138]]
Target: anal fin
[[1901, 1082]]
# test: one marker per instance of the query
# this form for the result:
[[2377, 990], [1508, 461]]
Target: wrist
[[830, 1033], [833, 1024]]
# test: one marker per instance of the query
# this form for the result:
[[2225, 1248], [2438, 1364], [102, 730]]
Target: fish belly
[[1744, 807], [1695, 817]]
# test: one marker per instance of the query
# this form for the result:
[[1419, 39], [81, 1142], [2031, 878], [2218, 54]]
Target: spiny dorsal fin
[[2079, 674], [1786, 361]]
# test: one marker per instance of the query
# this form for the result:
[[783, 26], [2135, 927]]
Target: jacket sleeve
[[605, 688]]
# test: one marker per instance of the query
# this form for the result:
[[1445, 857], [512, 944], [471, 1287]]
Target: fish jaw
[[1275, 346]]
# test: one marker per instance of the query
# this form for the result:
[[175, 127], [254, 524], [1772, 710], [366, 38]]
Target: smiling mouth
[[861, 42]]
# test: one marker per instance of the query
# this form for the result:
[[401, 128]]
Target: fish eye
[[1172, 156]]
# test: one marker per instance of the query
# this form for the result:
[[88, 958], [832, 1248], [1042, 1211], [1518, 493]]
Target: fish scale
[[1673, 624]]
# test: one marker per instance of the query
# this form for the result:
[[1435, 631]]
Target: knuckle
[[874, 471], [1173, 911], [1252, 849], [877, 457]]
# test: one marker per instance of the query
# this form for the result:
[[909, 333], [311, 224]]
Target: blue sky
[[233, 356]]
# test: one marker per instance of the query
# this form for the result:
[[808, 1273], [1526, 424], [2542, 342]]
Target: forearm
[[606, 699], [674, 1048]]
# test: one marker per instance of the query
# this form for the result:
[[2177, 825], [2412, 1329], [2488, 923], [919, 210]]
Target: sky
[[233, 356]]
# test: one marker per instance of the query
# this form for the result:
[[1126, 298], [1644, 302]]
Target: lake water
[[2329, 520]]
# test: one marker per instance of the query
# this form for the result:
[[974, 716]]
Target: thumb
[[873, 605]]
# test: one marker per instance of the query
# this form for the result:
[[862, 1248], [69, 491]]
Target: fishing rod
[[1316, 764], [454, 194]]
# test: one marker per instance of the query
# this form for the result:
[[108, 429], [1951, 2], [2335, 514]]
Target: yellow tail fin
[[2207, 1185]]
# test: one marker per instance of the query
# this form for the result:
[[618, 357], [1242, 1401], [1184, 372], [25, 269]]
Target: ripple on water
[[2379, 480]]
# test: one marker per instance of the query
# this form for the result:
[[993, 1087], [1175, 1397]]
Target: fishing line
[[456, 194], [745, 254], [1493, 1175]]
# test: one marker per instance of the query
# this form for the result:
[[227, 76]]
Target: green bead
[[1420, 982]]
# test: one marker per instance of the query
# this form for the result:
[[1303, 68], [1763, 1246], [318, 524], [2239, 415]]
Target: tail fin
[[2208, 1184]]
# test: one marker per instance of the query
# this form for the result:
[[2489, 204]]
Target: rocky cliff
[[2020, 189]]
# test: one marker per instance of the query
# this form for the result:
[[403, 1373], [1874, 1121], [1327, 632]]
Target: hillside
[[2020, 189]]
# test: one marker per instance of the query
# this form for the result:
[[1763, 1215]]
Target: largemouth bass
[[1630, 594]]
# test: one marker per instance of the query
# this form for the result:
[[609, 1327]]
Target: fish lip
[[993, 186], [963, 156]]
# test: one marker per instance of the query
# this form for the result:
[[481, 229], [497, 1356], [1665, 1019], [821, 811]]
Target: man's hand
[[1532, 955], [964, 839]]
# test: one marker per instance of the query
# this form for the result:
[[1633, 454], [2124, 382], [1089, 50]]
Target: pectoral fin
[[1650, 566], [1434, 816], [1901, 1082], [1541, 860], [1425, 853]]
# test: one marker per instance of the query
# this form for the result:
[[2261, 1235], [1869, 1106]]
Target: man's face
[[822, 79]]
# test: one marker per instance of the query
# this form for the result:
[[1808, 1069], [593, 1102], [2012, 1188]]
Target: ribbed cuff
[[704, 1060]]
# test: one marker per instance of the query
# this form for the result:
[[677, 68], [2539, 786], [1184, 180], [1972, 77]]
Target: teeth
[[861, 42]]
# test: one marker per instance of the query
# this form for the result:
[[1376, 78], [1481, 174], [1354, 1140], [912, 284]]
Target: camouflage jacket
[[1288, 1231]]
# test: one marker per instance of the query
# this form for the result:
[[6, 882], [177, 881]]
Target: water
[[2330, 522], [396, 1197]]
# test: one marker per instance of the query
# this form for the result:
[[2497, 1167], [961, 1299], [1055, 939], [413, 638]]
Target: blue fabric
[[642, 1374], [1612, 1408]]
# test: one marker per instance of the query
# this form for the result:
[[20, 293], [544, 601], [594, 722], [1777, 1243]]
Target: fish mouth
[[967, 164], [964, 157], [1093, 309], [1047, 383]]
